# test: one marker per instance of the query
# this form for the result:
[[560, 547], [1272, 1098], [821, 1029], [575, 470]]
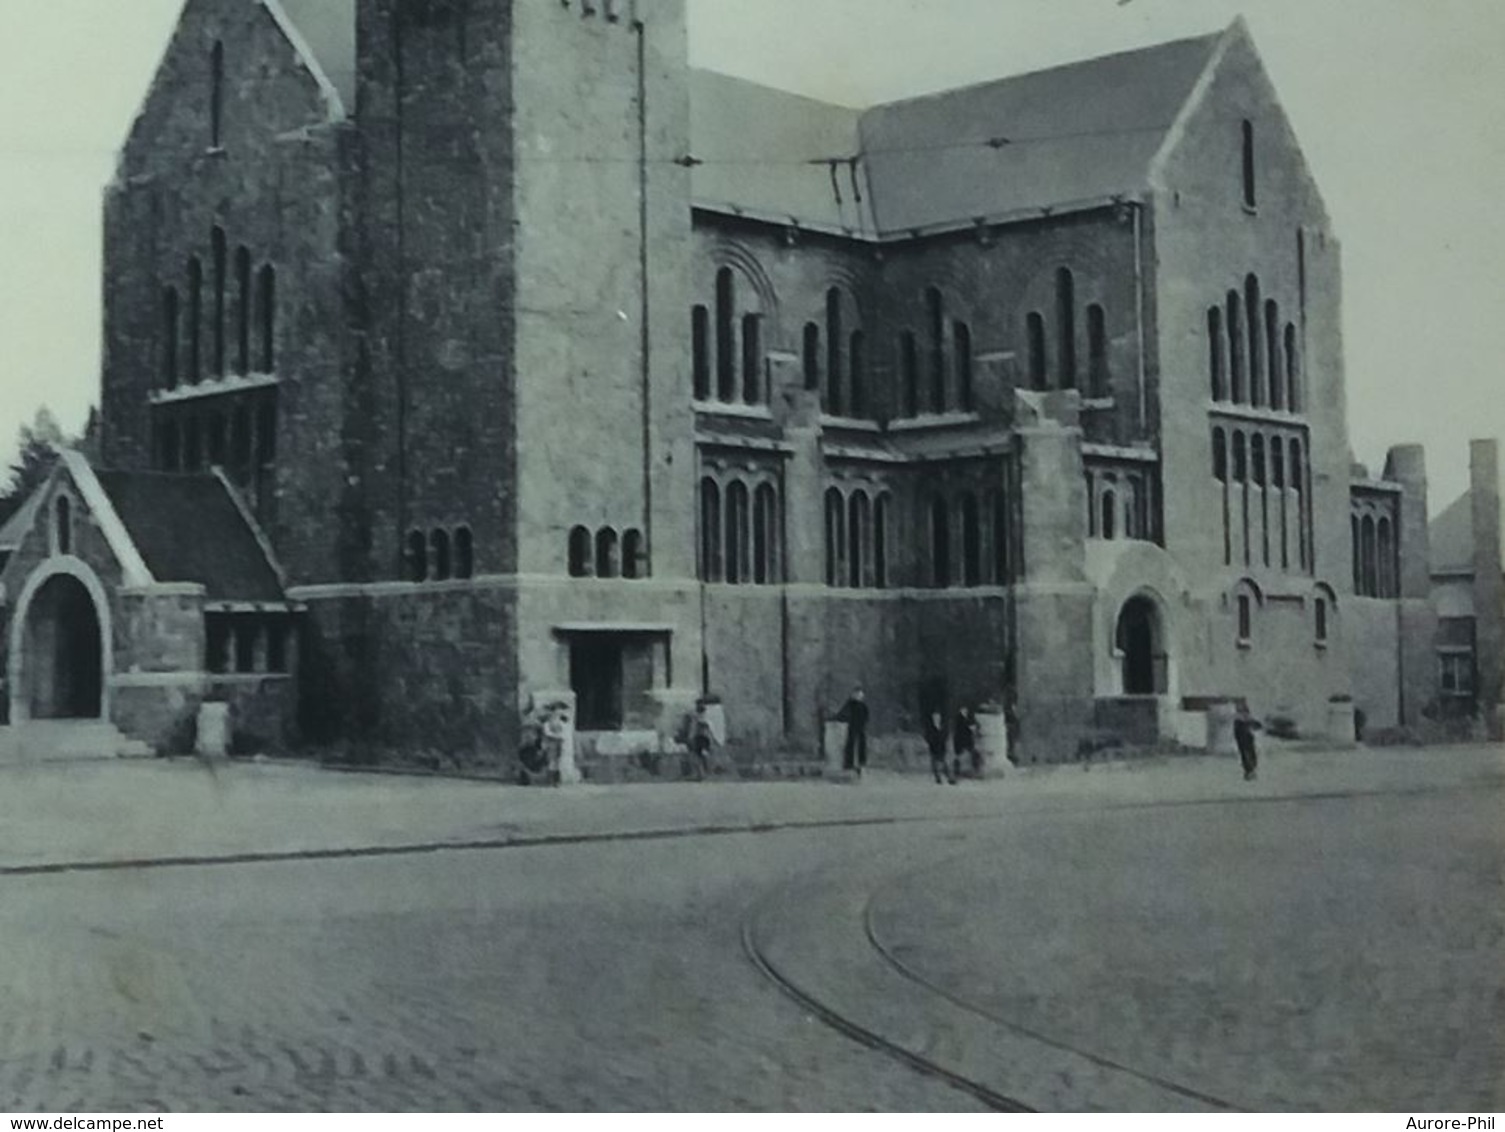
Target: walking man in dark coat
[[854, 714], [1244, 727]]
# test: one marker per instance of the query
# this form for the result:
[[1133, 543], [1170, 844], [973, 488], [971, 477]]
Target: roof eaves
[[333, 103], [253, 526]]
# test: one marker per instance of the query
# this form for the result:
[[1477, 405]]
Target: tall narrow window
[[812, 359], [880, 542], [1257, 459], [195, 319], [971, 541], [1236, 347], [1035, 333], [909, 365], [700, 363], [221, 269], [835, 342], [1356, 543], [857, 363], [1245, 618], [608, 565], [1276, 383], [169, 451], [1066, 328], [710, 531], [240, 442], [737, 516], [726, 330], [217, 440], [1293, 369], [765, 535], [859, 532], [170, 337], [1298, 486], [940, 543], [1097, 353], [752, 358], [1369, 556], [835, 536], [634, 561], [1321, 620], [1278, 481], [266, 432], [1217, 366], [439, 554], [1219, 456], [582, 553], [1000, 538], [1255, 357], [935, 318], [217, 95], [268, 306], [1107, 524], [417, 556], [1385, 552], [62, 522], [1241, 479], [243, 311], [961, 350], [1248, 162], [465, 553]]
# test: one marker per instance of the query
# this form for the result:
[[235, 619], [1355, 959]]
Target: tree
[[38, 443]]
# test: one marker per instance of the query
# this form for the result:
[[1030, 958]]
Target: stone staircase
[[61, 740]]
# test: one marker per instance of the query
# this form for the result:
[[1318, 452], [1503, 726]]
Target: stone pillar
[[808, 680], [1415, 618], [1053, 601], [1489, 584]]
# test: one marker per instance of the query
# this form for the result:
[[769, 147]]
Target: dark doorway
[[596, 678], [1139, 639], [64, 656]]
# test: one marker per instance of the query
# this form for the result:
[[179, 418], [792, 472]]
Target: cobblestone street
[[1166, 937]]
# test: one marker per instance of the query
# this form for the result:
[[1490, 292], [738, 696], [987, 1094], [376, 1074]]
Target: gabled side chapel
[[462, 352]]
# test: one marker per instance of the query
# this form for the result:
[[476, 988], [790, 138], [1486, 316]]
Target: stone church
[[460, 354]]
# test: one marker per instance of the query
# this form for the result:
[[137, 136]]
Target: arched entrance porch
[[1140, 641], [60, 652]]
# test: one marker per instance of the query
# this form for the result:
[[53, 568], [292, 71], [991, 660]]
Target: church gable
[[236, 76]]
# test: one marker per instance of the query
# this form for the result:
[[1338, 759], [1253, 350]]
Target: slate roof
[[187, 528]]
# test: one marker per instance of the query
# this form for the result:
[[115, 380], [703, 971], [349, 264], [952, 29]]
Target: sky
[[1397, 104]]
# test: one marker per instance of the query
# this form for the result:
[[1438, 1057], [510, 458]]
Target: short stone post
[[213, 740]]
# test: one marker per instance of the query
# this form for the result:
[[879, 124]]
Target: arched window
[[1107, 523], [1236, 347], [835, 341], [1369, 556], [1035, 333], [1219, 455], [880, 542], [582, 552], [1356, 541], [633, 564], [1277, 384], [1257, 458], [1240, 458], [169, 453], [1217, 361], [170, 337], [940, 543], [752, 358], [836, 536], [240, 441], [961, 352], [1248, 163], [1386, 557], [221, 281], [1278, 480], [1298, 487], [857, 362], [465, 553], [726, 335], [1001, 566], [417, 556], [1293, 370], [935, 317], [1066, 327], [216, 95], [700, 349], [439, 554], [1256, 353], [737, 548], [193, 445], [1098, 379], [859, 531], [607, 563], [195, 319], [710, 531], [268, 309], [812, 359], [765, 535], [971, 541], [909, 367], [243, 311], [62, 524]]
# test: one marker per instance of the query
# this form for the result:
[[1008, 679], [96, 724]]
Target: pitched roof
[[1073, 134], [190, 529], [15, 528]]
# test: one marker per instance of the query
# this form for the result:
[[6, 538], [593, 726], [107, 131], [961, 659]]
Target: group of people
[[960, 735]]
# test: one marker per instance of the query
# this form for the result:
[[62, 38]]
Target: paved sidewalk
[[95, 812]]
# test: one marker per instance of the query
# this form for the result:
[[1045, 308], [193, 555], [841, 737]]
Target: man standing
[[1244, 727], [854, 714]]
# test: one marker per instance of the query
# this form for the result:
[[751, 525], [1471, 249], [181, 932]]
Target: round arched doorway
[[63, 657], [1140, 639]]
